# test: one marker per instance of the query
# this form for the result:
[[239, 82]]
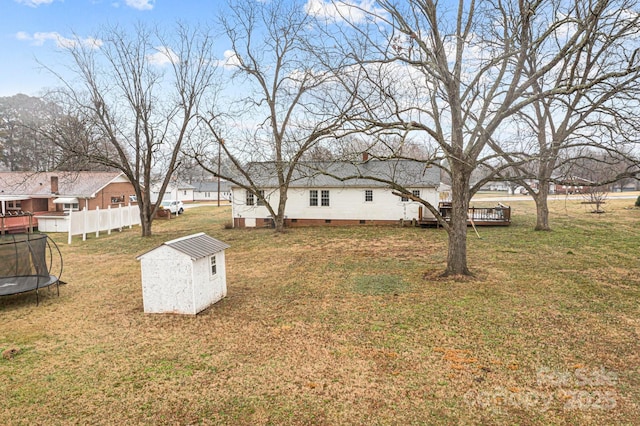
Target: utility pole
[[219, 156]]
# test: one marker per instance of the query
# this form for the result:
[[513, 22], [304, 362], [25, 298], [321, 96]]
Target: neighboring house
[[62, 191], [495, 186], [569, 185], [50, 194], [180, 191], [321, 195], [208, 191]]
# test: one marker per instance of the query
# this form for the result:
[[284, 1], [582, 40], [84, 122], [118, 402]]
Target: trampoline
[[29, 262]]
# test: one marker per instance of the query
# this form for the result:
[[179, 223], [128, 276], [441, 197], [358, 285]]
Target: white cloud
[[351, 11], [163, 56], [141, 4], [22, 36], [230, 60], [34, 3], [40, 38]]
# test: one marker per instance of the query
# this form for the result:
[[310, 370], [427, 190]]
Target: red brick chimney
[[54, 184], [365, 156]]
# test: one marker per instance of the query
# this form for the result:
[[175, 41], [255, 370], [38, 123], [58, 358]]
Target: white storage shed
[[184, 276]]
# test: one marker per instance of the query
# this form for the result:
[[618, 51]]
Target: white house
[[208, 191], [340, 193], [180, 191], [184, 276]]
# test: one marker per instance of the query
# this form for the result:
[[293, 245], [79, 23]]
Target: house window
[[117, 200], [261, 201], [213, 265], [14, 205], [71, 206], [184, 192], [207, 194], [324, 198], [313, 197], [415, 193], [250, 198], [368, 195]]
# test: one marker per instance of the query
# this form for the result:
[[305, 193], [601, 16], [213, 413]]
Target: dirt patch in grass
[[342, 326]]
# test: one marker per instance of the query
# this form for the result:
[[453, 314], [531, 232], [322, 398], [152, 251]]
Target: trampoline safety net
[[23, 255], [26, 263]]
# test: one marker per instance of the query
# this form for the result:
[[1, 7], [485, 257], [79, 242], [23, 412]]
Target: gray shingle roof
[[70, 184], [197, 246], [209, 186], [372, 173]]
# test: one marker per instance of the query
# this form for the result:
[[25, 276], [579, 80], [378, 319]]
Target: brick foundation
[[296, 223]]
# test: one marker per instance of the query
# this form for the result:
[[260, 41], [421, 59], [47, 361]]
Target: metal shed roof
[[195, 246]]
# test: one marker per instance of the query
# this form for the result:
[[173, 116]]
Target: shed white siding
[[175, 282], [166, 265]]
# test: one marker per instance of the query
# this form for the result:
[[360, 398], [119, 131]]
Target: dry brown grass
[[342, 326]]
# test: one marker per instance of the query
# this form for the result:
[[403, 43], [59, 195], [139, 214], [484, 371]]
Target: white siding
[[174, 283], [345, 204], [173, 193], [185, 194], [53, 223], [167, 282], [210, 196]]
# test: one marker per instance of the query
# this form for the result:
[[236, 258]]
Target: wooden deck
[[478, 216], [18, 222]]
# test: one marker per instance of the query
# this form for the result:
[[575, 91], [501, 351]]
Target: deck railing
[[500, 214], [12, 222], [490, 214]]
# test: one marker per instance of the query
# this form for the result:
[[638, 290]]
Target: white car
[[174, 206]]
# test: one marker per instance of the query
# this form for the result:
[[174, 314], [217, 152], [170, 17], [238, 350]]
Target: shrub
[[638, 201]]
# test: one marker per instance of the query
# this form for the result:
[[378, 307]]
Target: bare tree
[[287, 106], [453, 75], [78, 146], [597, 111], [596, 195], [137, 96]]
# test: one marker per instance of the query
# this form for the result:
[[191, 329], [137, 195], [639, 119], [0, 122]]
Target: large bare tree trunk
[[145, 224], [279, 217], [542, 207], [457, 252]]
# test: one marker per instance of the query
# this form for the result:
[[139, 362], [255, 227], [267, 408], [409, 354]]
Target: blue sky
[[29, 30]]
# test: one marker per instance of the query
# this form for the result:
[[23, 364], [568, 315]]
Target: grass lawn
[[342, 326]]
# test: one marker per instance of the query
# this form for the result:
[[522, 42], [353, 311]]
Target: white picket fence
[[85, 221]]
